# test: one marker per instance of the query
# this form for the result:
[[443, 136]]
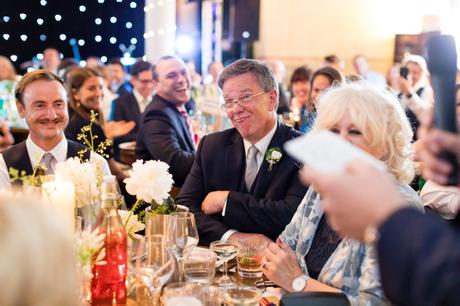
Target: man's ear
[[21, 109], [273, 105]]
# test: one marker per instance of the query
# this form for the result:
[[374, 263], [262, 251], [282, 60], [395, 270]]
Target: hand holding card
[[326, 152]]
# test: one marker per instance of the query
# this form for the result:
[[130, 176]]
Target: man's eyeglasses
[[243, 100]]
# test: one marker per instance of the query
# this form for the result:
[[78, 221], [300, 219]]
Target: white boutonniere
[[273, 156]]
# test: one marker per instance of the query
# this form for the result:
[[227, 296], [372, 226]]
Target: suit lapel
[[234, 162], [264, 176], [185, 130], [134, 108]]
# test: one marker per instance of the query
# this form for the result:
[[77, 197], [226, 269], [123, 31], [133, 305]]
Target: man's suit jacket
[[164, 135], [126, 108], [419, 258], [220, 165]]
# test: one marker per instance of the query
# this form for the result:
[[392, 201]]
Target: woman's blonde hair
[[380, 118], [37, 260]]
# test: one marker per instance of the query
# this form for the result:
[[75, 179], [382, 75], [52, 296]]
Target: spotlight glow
[[13, 58], [83, 63], [82, 8], [81, 42], [103, 59], [43, 37], [133, 40], [98, 21], [6, 18], [23, 37], [113, 19], [43, 2], [6, 36], [184, 45], [100, 1], [39, 21], [113, 40], [39, 56], [133, 5], [129, 25], [98, 38], [62, 37], [23, 16], [58, 17]]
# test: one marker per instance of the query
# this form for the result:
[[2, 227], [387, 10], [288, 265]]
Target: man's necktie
[[188, 121], [251, 166], [47, 160]]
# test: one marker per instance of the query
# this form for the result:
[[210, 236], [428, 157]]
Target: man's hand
[[214, 202], [358, 198]]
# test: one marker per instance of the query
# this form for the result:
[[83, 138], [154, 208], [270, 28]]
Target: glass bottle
[[108, 285]]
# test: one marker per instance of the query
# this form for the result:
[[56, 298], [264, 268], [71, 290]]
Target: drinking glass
[[200, 266], [225, 250], [182, 237], [179, 294], [242, 296], [249, 259], [154, 268]]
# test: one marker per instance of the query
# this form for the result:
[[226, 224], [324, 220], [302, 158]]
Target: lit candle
[[61, 196]]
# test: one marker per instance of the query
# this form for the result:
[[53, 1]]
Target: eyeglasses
[[145, 82], [243, 101]]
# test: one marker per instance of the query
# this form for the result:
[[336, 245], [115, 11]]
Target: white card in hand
[[327, 152]]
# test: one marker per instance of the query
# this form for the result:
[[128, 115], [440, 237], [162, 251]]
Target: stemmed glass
[[154, 268], [182, 237], [225, 250]]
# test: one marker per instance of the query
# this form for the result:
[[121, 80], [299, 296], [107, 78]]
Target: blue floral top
[[353, 266], [307, 120]]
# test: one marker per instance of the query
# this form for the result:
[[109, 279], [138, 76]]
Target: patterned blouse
[[353, 266]]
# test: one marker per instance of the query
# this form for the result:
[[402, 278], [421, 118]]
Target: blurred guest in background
[[392, 78], [362, 69], [322, 79], [166, 132], [334, 61], [8, 76], [300, 87], [51, 60], [93, 62], [84, 90], [37, 257], [131, 106], [117, 77], [309, 247], [279, 70], [415, 93]]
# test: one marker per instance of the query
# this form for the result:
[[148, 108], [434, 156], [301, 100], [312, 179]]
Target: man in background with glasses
[[242, 183], [131, 106]]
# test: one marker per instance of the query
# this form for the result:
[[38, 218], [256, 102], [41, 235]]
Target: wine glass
[[154, 268], [182, 237], [225, 250]]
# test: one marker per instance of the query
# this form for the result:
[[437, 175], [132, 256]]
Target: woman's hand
[[280, 265], [114, 129]]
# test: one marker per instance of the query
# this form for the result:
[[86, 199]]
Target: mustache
[[55, 121]]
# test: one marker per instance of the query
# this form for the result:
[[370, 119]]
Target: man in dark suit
[[42, 100], [131, 106], [419, 254], [166, 132], [117, 77], [242, 183]]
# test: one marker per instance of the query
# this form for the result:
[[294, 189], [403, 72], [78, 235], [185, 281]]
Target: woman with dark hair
[[321, 79], [84, 90], [300, 88]]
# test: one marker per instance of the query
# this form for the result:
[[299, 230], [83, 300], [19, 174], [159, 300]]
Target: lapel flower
[[273, 156]]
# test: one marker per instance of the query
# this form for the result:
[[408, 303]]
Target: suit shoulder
[[221, 136], [290, 132]]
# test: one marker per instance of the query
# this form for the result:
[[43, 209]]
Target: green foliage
[[87, 137]]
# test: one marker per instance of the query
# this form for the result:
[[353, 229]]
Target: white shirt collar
[[261, 145], [36, 153], [140, 99]]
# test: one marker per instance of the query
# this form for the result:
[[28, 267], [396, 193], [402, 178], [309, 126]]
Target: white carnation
[[149, 181], [82, 175], [276, 155]]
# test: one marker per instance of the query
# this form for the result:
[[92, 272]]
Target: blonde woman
[[310, 255], [37, 266]]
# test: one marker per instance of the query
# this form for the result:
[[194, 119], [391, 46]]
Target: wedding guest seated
[[310, 255], [42, 101], [166, 132], [37, 257], [131, 106], [279, 70], [242, 183], [117, 77], [84, 89]]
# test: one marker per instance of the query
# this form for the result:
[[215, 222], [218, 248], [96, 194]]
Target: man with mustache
[[166, 132], [242, 183], [42, 100]]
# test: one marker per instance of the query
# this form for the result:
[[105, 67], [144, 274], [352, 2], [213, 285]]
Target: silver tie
[[251, 167], [47, 159]]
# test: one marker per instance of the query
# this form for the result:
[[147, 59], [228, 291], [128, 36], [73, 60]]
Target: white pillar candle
[[61, 196]]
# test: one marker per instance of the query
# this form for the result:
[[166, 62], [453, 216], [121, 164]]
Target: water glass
[[200, 266], [179, 294], [249, 259], [225, 250]]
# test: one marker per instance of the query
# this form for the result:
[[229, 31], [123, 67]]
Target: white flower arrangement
[[87, 245], [131, 222], [149, 181], [273, 156], [83, 175]]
